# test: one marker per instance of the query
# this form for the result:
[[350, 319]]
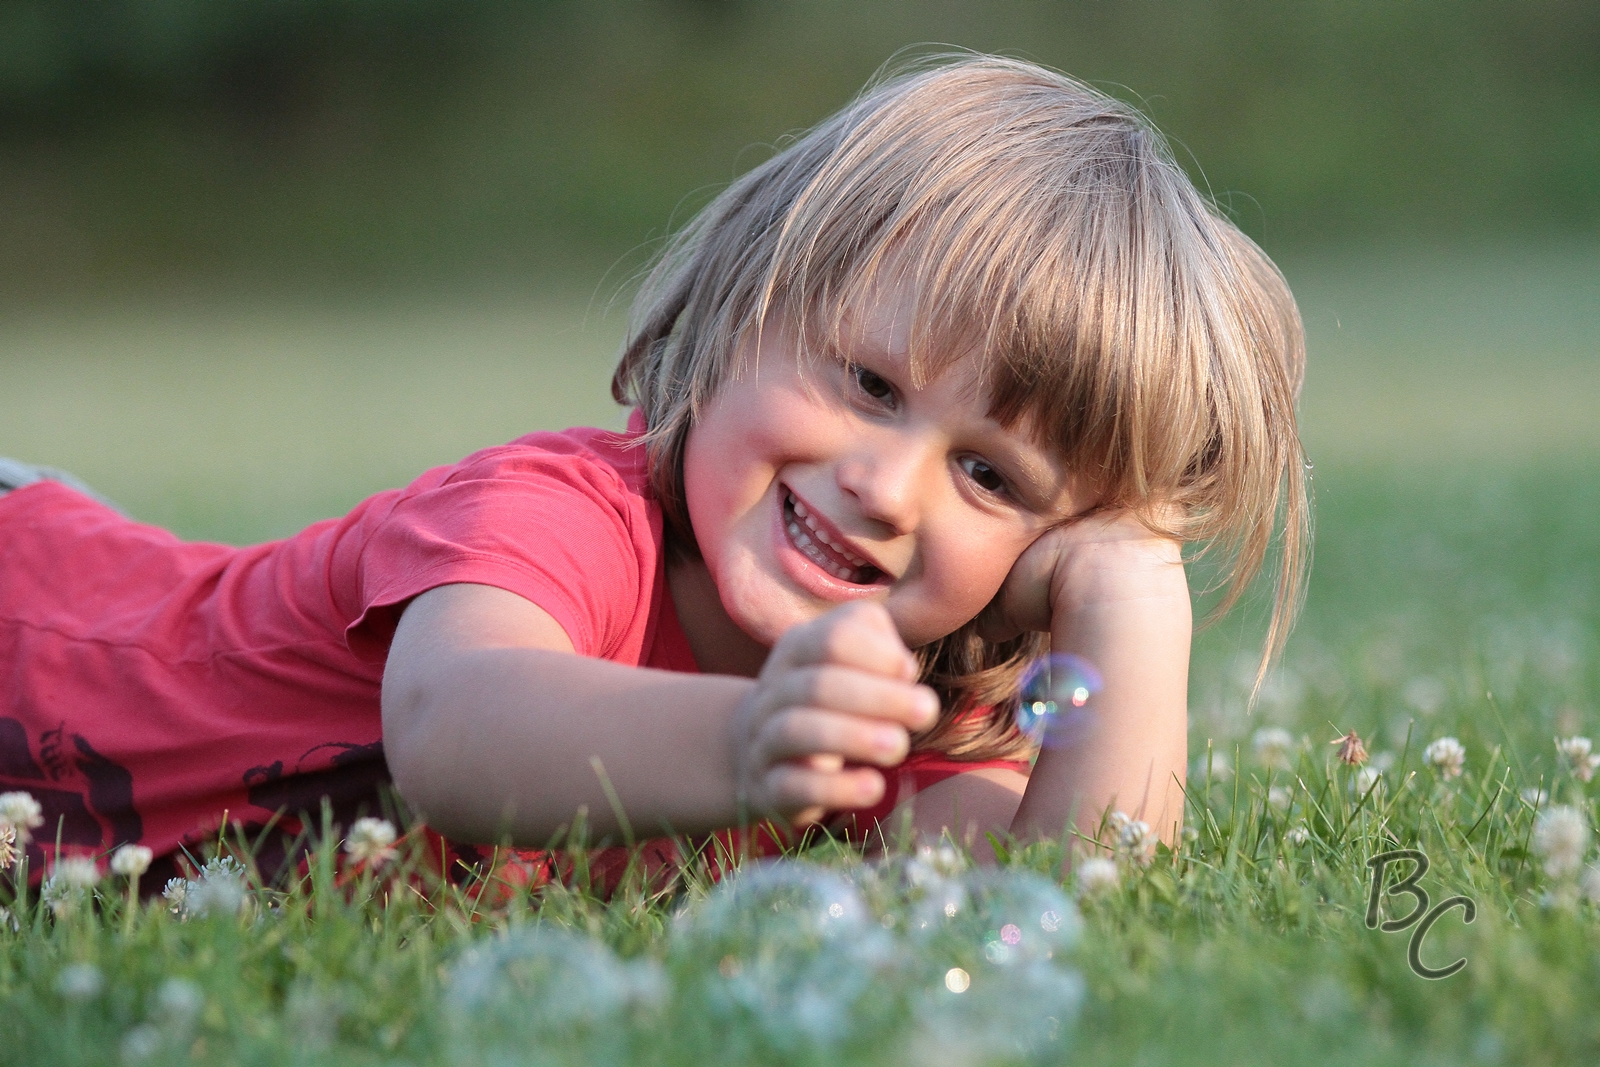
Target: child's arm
[[1109, 590], [492, 724]]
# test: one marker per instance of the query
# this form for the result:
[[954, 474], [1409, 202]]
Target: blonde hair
[[1046, 226]]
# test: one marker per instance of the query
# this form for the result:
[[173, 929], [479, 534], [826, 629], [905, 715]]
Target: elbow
[[412, 749]]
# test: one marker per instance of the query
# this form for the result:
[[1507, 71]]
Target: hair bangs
[[1045, 230]]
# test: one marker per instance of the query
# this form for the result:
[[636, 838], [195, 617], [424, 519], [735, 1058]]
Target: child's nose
[[888, 476]]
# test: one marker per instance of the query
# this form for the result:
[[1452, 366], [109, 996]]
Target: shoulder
[[600, 459]]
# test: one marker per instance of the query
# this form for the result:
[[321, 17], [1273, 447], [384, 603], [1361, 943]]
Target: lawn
[[1455, 594]]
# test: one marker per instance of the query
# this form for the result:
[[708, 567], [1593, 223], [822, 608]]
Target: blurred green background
[[262, 257]]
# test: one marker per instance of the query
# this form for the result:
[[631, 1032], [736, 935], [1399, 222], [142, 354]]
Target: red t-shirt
[[149, 685]]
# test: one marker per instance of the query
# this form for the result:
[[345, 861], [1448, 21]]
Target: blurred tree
[[356, 142]]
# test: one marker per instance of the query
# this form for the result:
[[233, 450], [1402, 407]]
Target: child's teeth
[[808, 537]]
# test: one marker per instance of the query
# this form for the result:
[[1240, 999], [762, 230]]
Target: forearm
[[502, 743], [1132, 755]]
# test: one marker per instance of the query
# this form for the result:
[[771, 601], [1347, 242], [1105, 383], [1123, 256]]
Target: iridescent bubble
[[1056, 692]]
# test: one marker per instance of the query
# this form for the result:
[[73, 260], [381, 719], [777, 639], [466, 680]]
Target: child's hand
[[1108, 589], [1101, 559], [840, 688]]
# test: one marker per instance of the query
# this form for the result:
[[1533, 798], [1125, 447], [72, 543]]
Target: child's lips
[[825, 547]]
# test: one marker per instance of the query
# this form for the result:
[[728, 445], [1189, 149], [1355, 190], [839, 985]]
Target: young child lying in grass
[[943, 385]]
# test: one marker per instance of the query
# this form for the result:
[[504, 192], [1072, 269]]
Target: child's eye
[[871, 384], [986, 477]]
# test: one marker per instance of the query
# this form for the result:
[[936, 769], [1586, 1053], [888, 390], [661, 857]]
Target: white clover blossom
[[1368, 779], [1425, 694], [1447, 756], [933, 866], [1274, 747], [1097, 875], [8, 845], [371, 841], [1298, 835], [77, 872], [1220, 766], [215, 896], [220, 889], [130, 861], [1589, 884], [59, 897], [1382, 761], [22, 813], [79, 981], [1136, 842], [1535, 798], [179, 1002], [1576, 753], [1279, 797], [177, 895], [141, 1043], [1561, 837]]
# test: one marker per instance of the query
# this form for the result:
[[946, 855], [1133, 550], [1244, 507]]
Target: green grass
[[1456, 592]]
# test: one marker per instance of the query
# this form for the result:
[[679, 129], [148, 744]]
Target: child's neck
[[719, 646]]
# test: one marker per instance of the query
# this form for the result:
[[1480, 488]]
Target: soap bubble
[[802, 959], [1007, 952], [1056, 691], [539, 983]]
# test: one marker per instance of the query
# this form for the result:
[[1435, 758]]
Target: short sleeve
[[559, 529]]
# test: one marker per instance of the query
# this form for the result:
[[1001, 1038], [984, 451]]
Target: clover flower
[[1368, 780], [8, 845], [933, 866], [22, 813], [1097, 875], [1298, 835], [1274, 747], [215, 896], [1135, 841], [1447, 755], [219, 890], [131, 861], [1589, 883], [1352, 752], [1220, 766], [1575, 753], [1561, 837], [371, 842], [79, 981], [1279, 797], [1535, 798], [77, 872]]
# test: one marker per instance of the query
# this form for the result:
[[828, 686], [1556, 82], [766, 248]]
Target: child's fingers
[[855, 692], [859, 635], [798, 733], [803, 794]]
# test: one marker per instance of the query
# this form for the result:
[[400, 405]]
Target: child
[[945, 383]]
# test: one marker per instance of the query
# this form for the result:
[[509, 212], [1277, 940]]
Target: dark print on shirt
[[351, 778], [348, 776], [85, 798]]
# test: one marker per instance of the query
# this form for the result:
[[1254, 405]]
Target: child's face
[[807, 491]]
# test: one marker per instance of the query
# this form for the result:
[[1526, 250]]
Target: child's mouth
[[818, 546]]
